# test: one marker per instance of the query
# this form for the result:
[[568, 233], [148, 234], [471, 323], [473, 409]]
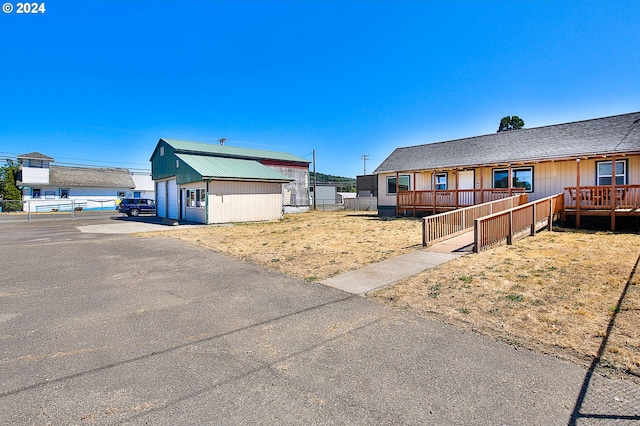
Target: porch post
[[510, 178], [613, 197], [433, 189], [414, 194], [578, 193], [397, 194], [457, 188], [481, 185]]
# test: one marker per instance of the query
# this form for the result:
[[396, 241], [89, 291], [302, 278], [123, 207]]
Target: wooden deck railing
[[627, 197], [516, 223], [446, 225], [453, 198]]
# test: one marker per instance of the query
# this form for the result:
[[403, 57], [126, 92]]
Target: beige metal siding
[[383, 198], [244, 201]]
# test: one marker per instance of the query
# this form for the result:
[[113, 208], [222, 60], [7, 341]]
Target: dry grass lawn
[[556, 293]]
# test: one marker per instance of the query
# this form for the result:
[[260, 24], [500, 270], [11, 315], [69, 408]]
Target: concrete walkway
[[390, 271]]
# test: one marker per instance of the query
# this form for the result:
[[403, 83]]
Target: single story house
[[572, 158], [209, 183], [47, 187]]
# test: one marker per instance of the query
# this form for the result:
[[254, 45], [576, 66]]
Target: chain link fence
[[30, 210], [356, 204]]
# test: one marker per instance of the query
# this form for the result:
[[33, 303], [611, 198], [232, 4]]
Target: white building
[[46, 187]]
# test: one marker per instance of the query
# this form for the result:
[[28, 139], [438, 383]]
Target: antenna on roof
[[222, 140]]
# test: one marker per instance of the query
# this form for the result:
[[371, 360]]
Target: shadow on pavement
[[577, 410]]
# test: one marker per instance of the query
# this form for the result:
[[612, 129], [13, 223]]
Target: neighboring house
[[46, 187], [209, 183], [144, 186], [572, 158]]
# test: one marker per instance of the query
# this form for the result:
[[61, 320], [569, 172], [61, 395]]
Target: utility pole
[[315, 186], [365, 157]]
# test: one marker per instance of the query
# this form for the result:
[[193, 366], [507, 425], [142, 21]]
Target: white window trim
[[197, 202], [399, 177], [624, 172]]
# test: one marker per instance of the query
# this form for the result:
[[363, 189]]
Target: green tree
[[510, 123], [8, 188]]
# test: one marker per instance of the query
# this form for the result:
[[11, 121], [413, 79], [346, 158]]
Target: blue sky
[[99, 82]]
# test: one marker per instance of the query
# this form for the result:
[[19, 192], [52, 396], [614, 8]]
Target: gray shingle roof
[[608, 135], [35, 156], [62, 177]]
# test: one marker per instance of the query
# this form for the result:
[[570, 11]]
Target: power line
[[365, 157]]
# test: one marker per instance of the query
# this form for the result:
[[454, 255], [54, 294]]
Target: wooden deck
[[623, 200], [437, 201]]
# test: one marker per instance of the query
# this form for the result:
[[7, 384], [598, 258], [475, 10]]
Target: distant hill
[[344, 184]]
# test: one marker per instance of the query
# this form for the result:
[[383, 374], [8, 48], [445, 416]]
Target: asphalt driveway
[[110, 328]]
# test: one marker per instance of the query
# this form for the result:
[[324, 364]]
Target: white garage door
[[172, 199], [161, 199]]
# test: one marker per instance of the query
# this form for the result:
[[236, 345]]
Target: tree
[[510, 123], [8, 188]]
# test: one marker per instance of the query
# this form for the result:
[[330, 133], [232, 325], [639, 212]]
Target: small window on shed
[[161, 151]]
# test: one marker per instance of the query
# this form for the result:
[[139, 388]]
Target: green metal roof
[[231, 168], [230, 151]]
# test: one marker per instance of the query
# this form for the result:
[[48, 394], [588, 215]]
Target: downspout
[[206, 203]]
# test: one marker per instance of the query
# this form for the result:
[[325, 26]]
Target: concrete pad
[[388, 272], [129, 227]]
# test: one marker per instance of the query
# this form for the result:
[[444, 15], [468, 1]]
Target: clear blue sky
[[99, 82]]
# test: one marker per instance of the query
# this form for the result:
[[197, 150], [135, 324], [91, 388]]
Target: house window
[[136, 194], [49, 195], [521, 177], [64, 193], [36, 192], [121, 194], [403, 184], [441, 181], [603, 172]]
